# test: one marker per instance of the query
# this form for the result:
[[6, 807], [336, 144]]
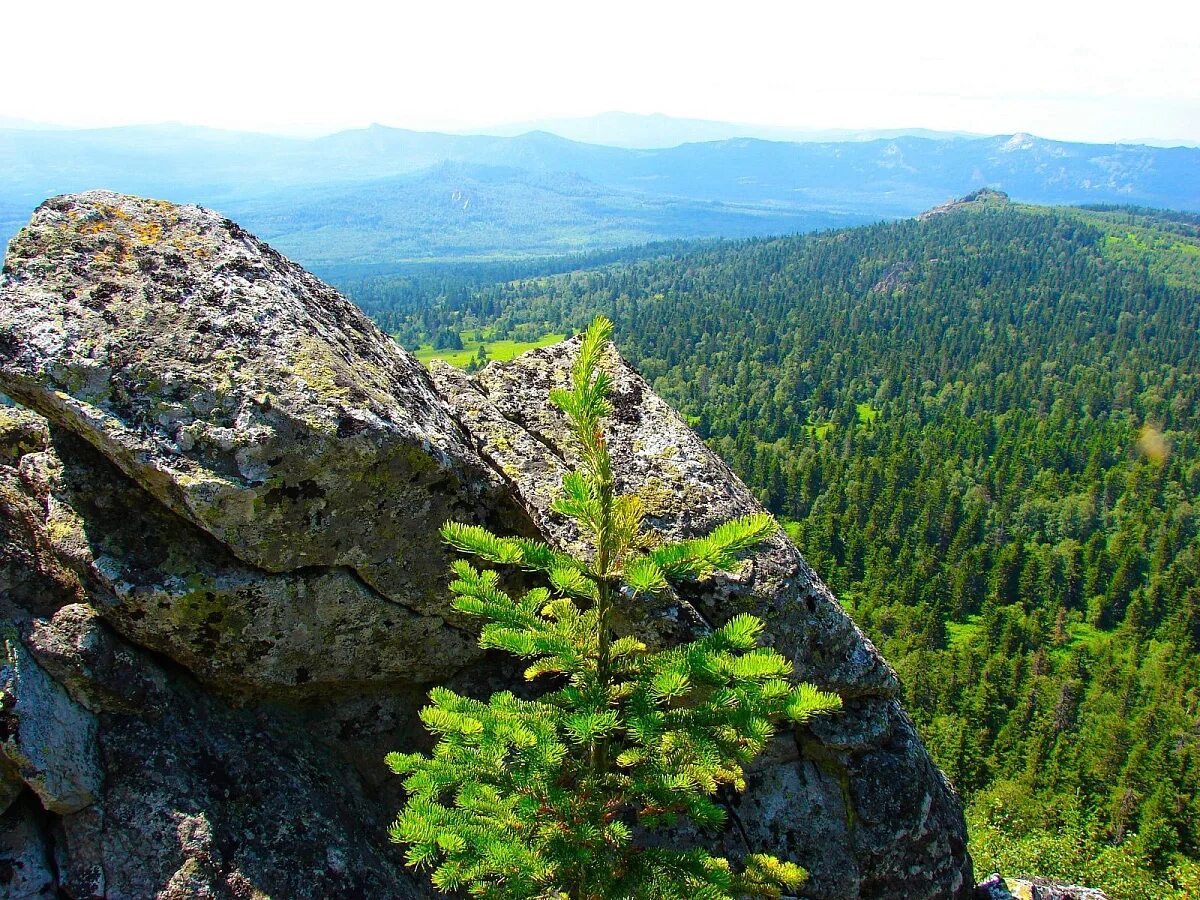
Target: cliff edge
[[225, 598]]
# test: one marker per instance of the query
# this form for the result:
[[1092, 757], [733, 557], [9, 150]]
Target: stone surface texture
[[26, 853], [49, 740], [224, 595], [995, 887]]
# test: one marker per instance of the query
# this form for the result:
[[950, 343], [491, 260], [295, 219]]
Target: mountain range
[[388, 195], [657, 131]]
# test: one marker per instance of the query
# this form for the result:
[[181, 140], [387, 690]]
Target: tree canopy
[[983, 428]]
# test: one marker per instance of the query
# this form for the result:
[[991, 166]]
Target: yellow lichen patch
[[319, 368], [220, 375], [102, 260], [147, 232], [657, 498], [63, 531], [100, 220], [189, 242], [328, 375]]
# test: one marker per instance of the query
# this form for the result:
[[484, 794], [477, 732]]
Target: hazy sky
[[1071, 70]]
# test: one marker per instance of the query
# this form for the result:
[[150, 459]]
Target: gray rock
[[21, 432], [235, 387], [11, 784], [98, 669], [32, 576], [26, 861], [994, 887], [171, 587], [207, 801], [222, 548], [203, 800], [46, 736], [1048, 889], [981, 197]]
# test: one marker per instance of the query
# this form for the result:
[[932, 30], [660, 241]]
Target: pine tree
[[547, 798]]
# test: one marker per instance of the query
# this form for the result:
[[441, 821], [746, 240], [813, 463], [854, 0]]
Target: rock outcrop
[[994, 887], [225, 596], [982, 197]]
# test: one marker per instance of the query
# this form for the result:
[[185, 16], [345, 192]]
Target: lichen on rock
[[48, 738], [235, 387]]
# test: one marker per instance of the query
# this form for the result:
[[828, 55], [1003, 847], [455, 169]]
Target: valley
[[398, 197]]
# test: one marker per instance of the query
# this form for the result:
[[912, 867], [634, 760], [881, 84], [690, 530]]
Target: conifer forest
[[981, 429]]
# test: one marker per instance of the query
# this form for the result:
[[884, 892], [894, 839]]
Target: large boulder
[[236, 388], [171, 587], [219, 555]]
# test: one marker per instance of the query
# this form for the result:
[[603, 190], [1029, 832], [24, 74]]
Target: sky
[[1057, 68]]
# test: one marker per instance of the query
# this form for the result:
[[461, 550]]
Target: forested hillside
[[983, 429], [461, 211]]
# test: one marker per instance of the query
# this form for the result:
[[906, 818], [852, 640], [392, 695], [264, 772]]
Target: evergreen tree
[[447, 339], [546, 798]]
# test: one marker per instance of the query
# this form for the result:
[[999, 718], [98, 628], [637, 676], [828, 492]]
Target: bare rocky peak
[[225, 596], [980, 197]]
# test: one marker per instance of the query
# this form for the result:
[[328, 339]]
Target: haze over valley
[[389, 196]]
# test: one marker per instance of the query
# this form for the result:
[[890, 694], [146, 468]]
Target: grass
[[503, 350], [962, 634], [1082, 634], [1173, 257], [820, 430]]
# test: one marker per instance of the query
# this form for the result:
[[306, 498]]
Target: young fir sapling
[[545, 798]]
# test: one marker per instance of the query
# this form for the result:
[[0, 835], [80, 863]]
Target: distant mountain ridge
[[470, 211], [657, 131], [603, 195]]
